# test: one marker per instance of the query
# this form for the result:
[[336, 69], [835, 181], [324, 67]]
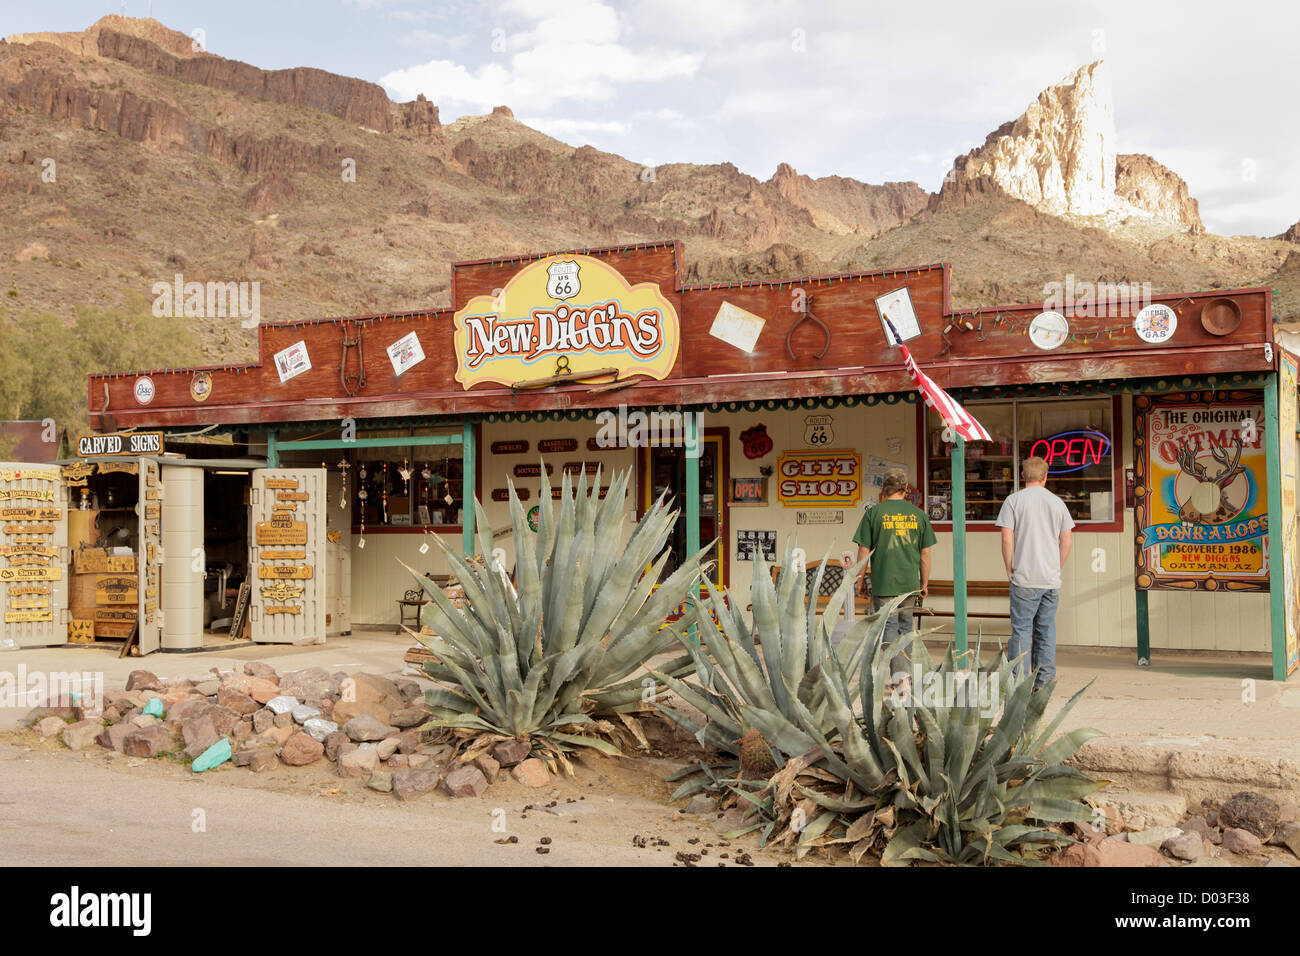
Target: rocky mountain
[[132, 156]]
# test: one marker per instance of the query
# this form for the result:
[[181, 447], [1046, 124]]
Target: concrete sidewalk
[[1199, 723]]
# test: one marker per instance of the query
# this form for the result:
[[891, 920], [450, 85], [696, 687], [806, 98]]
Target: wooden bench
[[997, 589]]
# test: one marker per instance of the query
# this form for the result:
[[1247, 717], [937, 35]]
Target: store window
[[415, 487], [1076, 438]]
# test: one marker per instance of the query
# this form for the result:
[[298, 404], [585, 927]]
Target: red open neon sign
[[1071, 451]]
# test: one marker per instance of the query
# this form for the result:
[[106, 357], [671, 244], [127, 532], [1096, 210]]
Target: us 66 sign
[[817, 431]]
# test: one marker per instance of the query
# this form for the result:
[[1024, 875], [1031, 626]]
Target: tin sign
[[405, 353]]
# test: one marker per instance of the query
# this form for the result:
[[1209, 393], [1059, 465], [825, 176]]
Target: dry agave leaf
[[861, 849], [861, 828], [633, 725]]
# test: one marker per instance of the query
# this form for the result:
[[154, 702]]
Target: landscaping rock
[[408, 741], [326, 705], [381, 780], [281, 735], [409, 717], [283, 720], [244, 756], [263, 759], [1187, 846], [243, 729], [113, 736], [701, 804], [214, 756], [399, 762], [332, 742], [489, 766], [1155, 836], [1288, 835], [259, 669], [416, 761], [319, 728], [408, 784], [241, 704], [366, 726], [358, 763], [185, 709], [1140, 811], [387, 747], [282, 704], [147, 741], [112, 714], [143, 680], [408, 689], [49, 726], [303, 713], [531, 773], [144, 720], [1242, 842], [464, 782], [206, 688], [1250, 811], [82, 734], [300, 749], [510, 752], [1111, 851], [263, 720], [1203, 827], [199, 734]]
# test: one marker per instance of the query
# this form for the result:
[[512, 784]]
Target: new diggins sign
[[1071, 451]]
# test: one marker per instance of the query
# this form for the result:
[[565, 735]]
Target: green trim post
[[693, 451], [1273, 466], [959, 544], [468, 468], [272, 452], [1143, 629]]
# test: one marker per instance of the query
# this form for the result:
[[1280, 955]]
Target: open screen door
[[149, 556], [286, 560], [34, 554]]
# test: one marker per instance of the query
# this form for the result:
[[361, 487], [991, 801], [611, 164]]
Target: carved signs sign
[[120, 443]]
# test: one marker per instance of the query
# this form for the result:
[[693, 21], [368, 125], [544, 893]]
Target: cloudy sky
[[875, 91]]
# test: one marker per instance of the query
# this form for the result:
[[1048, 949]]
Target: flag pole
[[959, 545]]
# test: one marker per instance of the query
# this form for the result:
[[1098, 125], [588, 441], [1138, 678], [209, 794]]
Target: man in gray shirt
[[1036, 540]]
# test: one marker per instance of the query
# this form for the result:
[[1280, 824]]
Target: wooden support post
[[959, 545], [1276, 560], [468, 469]]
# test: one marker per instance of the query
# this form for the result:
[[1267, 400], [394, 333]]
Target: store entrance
[[663, 469], [225, 550]]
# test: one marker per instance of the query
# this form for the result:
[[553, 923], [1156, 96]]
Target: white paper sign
[[736, 327], [292, 361], [896, 306], [405, 353]]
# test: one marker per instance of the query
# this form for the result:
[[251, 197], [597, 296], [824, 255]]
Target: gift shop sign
[[576, 306], [1202, 518], [830, 478]]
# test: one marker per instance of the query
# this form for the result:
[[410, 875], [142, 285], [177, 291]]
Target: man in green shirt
[[898, 537]]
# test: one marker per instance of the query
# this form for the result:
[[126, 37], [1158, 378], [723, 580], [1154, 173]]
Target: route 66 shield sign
[[818, 431], [562, 280]]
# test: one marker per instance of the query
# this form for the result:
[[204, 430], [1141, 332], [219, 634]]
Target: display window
[[1077, 438]]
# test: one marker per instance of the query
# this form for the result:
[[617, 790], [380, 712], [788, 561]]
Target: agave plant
[[754, 682], [936, 776], [546, 662]]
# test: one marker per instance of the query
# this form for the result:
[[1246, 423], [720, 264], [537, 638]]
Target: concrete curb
[[1195, 768]]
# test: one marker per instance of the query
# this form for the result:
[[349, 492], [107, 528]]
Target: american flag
[[954, 416]]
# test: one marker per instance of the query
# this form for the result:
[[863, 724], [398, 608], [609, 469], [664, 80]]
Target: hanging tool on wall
[[805, 316], [352, 383], [564, 374]]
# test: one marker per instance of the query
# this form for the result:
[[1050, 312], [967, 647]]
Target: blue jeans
[[1033, 631], [900, 622]]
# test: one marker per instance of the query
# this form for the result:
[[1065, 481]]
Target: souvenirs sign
[[532, 471], [1201, 514], [819, 478], [120, 443], [272, 571], [574, 306]]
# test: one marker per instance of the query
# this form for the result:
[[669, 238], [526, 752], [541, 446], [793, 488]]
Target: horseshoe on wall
[[804, 317]]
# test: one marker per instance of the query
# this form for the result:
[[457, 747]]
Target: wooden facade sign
[[116, 590], [281, 591], [283, 609], [269, 555], [288, 506], [118, 468], [292, 496], [77, 472], [270, 572], [272, 532], [532, 471], [573, 467], [120, 444], [152, 511], [29, 529], [48, 551], [500, 494], [115, 615], [509, 447], [550, 446], [822, 478], [32, 514], [288, 484], [29, 474], [16, 589], [26, 617], [36, 494], [31, 574], [29, 603]]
